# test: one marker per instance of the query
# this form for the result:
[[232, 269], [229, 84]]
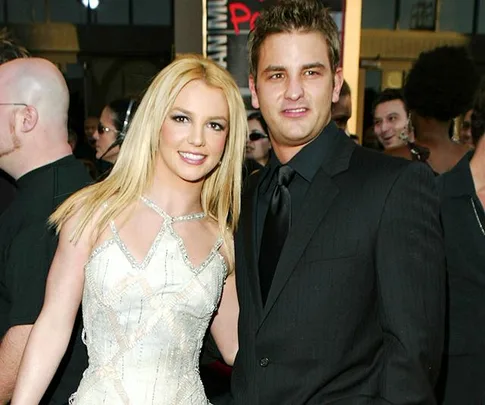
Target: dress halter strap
[[162, 213]]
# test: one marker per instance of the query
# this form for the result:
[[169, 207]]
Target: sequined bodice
[[144, 322]]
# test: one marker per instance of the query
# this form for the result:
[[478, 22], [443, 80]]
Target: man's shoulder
[[377, 159], [73, 174], [71, 177], [381, 166]]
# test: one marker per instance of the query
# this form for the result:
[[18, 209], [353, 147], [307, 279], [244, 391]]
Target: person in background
[[72, 139], [465, 134], [90, 125], [342, 109], [34, 151], [463, 217], [9, 50], [111, 131], [391, 119], [258, 145], [439, 87]]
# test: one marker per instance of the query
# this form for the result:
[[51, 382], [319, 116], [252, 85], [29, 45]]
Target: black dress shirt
[[306, 164]]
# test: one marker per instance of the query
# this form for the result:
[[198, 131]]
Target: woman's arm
[[224, 325], [52, 330]]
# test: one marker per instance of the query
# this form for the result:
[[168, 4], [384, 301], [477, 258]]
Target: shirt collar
[[307, 161]]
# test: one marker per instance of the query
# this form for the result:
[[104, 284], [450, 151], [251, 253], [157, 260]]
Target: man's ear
[[338, 79], [254, 94], [29, 116]]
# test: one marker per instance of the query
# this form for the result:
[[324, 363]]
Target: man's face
[[342, 111], [295, 88], [390, 120], [90, 125], [466, 129]]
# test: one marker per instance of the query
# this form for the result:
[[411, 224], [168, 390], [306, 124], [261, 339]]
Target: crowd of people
[[314, 270]]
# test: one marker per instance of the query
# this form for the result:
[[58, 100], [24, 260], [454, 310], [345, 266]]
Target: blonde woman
[[148, 250]]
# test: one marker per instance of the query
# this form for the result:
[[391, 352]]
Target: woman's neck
[[431, 131], [176, 198]]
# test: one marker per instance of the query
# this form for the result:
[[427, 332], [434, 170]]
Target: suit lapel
[[319, 199]]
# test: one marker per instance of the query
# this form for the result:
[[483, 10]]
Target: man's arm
[[11, 349], [26, 271], [410, 266]]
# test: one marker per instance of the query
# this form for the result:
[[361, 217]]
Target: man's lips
[[295, 112]]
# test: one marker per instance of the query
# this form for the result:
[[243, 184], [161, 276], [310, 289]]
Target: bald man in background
[[34, 150], [9, 50]]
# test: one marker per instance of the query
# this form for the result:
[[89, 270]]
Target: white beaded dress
[[144, 323]]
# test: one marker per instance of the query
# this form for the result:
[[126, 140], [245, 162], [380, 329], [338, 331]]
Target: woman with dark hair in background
[[439, 87], [110, 133], [258, 145], [463, 218]]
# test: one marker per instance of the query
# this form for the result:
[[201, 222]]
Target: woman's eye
[[216, 126], [180, 118]]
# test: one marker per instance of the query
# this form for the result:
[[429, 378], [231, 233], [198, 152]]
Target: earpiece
[[120, 137], [124, 129]]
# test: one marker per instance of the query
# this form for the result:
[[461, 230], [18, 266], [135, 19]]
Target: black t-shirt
[[27, 247], [7, 190]]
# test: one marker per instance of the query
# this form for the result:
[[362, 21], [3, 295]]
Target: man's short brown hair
[[294, 15]]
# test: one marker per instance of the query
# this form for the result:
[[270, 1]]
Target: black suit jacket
[[355, 313], [463, 374]]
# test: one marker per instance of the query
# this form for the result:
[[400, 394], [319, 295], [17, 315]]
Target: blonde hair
[[134, 169]]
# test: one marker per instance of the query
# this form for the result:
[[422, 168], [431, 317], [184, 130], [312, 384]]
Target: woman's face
[[105, 135], [193, 136], [257, 150]]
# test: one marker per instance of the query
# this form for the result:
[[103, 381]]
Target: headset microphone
[[117, 142], [120, 137]]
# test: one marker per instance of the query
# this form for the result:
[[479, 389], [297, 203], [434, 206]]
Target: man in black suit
[[353, 311]]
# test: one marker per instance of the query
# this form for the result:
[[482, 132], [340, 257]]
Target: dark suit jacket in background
[[463, 374], [355, 314]]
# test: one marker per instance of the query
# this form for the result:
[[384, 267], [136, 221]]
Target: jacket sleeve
[[410, 266]]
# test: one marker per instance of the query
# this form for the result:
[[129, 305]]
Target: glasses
[[102, 129], [256, 136], [25, 105]]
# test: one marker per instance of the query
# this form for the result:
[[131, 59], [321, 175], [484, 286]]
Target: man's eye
[[276, 76]]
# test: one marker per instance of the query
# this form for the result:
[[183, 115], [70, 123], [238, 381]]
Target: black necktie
[[276, 226]]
